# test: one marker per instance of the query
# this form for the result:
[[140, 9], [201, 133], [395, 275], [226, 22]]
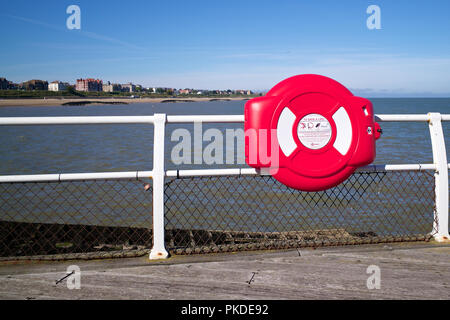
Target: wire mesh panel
[[113, 218], [83, 219], [213, 214]]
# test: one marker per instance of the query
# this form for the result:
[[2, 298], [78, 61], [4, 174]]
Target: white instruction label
[[314, 131]]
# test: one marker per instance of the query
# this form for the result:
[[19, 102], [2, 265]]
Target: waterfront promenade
[[108, 100], [408, 271]]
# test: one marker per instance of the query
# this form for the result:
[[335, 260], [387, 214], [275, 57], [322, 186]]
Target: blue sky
[[231, 44]]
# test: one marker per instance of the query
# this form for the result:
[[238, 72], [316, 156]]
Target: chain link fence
[[113, 218], [75, 220], [216, 214]]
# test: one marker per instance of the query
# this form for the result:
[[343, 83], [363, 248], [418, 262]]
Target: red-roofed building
[[89, 85]]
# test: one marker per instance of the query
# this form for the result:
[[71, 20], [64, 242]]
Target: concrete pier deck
[[407, 271]]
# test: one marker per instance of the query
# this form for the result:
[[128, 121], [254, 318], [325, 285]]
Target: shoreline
[[105, 101]]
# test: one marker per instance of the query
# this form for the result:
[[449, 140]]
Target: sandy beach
[[61, 101]]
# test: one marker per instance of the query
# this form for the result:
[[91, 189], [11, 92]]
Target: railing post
[[440, 224], [158, 251]]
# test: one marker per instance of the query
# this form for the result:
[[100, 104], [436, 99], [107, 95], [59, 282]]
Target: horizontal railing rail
[[26, 121], [180, 119], [440, 165], [67, 177], [60, 177]]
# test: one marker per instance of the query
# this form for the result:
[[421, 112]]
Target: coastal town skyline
[[99, 85]]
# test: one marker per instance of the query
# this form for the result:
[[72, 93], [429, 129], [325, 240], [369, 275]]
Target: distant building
[[35, 85], [184, 91], [12, 85], [4, 84], [112, 87], [89, 85], [57, 86], [128, 87]]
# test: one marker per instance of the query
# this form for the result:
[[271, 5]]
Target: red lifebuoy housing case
[[314, 131]]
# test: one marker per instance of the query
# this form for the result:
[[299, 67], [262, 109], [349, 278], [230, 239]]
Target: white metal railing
[[440, 166]]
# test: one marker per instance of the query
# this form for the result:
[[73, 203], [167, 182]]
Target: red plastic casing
[[305, 168]]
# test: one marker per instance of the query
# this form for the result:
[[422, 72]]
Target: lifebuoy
[[320, 130]]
